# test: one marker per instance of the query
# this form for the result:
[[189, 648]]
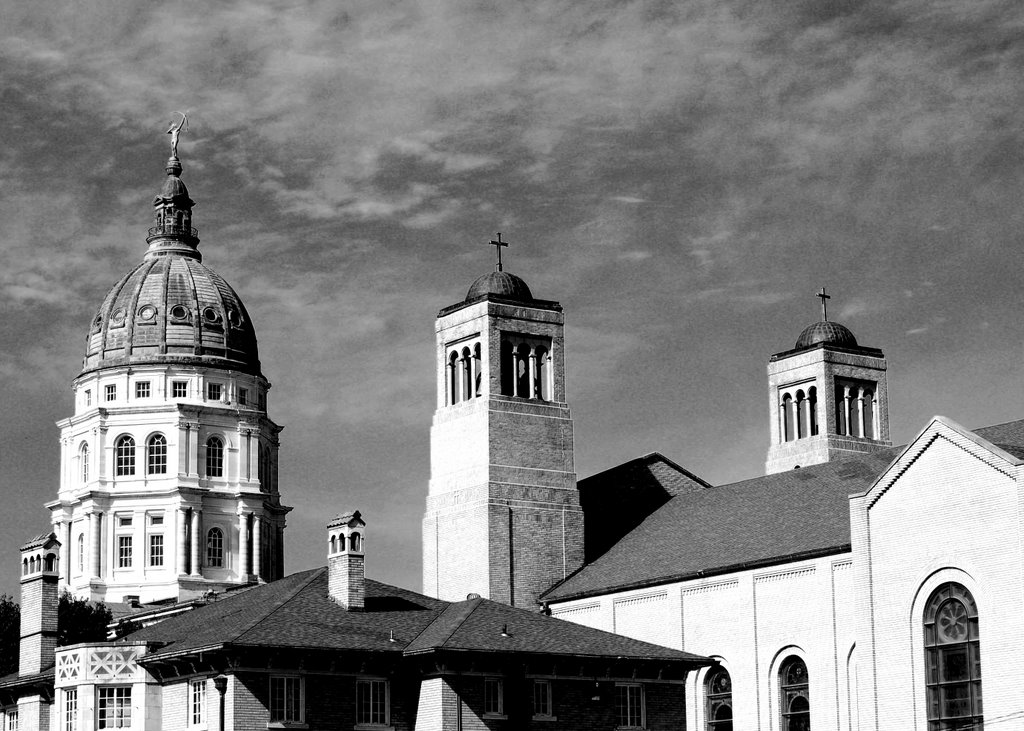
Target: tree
[[78, 620], [10, 634]]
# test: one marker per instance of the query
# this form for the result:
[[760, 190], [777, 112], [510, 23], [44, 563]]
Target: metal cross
[[497, 245], [824, 310]]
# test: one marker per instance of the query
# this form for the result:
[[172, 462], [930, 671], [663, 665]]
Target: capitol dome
[[171, 308]]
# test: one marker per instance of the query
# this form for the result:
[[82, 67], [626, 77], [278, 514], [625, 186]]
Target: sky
[[682, 176]]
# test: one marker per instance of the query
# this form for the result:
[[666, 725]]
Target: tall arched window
[[454, 384], [788, 419], [214, 457], [812, 405], [952, 659], [718, 691], [124, 456], [869, 414], [477, 370], [83, 462], [794, 701], [540, 387], [215, 548], [81, 553], [156, 455]]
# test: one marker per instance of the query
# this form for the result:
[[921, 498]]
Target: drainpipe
[[221, 684]]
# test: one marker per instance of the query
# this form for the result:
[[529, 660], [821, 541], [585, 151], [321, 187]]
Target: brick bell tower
[[827, 396], [503, 517]]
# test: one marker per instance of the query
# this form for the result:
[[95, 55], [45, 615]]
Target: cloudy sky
[[682, 176]]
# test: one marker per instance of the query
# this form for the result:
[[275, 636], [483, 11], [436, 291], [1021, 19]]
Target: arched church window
[[478, 375], [540, 387], [868, 398], [215, 548], [812, 410], [718, 691], [81, 553], [454, 387], [124, 456], [156, 455], [952, 651], [794, 700], [83, 462], [788, 419], [214, 457]]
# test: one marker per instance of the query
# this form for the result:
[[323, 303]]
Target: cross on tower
[[497, 245], [824, 310]]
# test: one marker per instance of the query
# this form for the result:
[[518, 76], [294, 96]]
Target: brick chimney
[[346, 538], [39, 575]]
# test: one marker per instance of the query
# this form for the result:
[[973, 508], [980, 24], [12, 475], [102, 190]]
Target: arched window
[[522, 374], [124, 449], [215, 548], [802, 415], [477, 371], [81, 553], [812, 405], [869, 414], [794, 701], [454, 385], [156, 455], [51, 562], [507, 368], [334, 544], [718, 691], [540, 388], [214, 457], [83, 462], [467, 374], [952, 659], [788, 419], [354, 541]]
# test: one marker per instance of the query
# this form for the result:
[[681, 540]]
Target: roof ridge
[[284, 600], [462, 609]]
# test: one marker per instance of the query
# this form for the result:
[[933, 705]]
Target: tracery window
[[156, 455], [214, 457], [718, 692], [952, 659], [215, 548], [124, 456], [794, 699]]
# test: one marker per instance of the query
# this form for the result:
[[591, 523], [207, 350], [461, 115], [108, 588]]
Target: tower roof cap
[[827, 332], [502, 284]]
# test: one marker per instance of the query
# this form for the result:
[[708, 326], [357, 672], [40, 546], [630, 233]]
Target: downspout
[[221, 684]]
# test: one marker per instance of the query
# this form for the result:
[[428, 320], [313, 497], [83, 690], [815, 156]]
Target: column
[[243, 545], [847, 429], [197, 530], [794, 406], [95, 533], [515, 370], [876, 424], [466, 377], [533, 373], [783, 436], [254, 457], [182, 553], [257, 547], [860, 412]]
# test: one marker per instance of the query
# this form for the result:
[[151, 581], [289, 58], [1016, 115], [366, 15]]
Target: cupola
[[346, 541]]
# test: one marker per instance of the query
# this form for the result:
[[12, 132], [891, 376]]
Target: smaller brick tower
[[503, 517], [40, 574], [827, 397], [346, 546]]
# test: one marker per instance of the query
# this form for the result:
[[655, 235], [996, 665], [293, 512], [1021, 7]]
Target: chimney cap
[[44, 540]]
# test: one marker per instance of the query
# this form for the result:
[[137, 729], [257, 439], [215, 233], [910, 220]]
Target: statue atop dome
[[175, 132]]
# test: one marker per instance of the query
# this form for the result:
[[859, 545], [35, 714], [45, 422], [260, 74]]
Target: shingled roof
[[295, 612], [758, 522]]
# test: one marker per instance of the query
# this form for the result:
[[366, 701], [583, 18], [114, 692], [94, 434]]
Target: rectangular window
[[494, 702], [88, 397], [156, 550], [70, 709], [243, 396], [114, 707], [372, 708], [156, 520], [629, 703], [124, 521], [124, 552], [111, 392], [213, 391], [142, 389], [542, 699], [286, 703], [179, 389], [197, 702], [12, 719]]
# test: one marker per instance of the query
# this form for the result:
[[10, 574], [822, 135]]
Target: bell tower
[[503, 517], [827, 397]]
